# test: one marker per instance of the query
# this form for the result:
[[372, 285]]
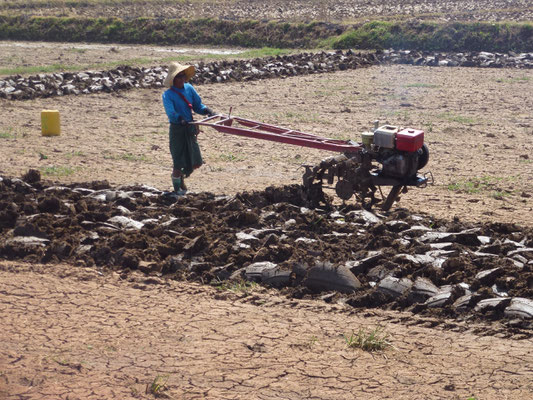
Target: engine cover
[[400, 165]]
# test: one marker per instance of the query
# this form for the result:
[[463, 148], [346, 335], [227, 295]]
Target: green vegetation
[[125, 156], [7, 133], [133, 157], [57, 171], [158, 385], [241, 286], [421, 85], [448, 116], [368, 340], [77, 50], [171, 31], [73, 154], [514, 80], [484, 184], [457, 36], [232, 157]]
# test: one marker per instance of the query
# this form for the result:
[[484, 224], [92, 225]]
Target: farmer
[[180, 100]]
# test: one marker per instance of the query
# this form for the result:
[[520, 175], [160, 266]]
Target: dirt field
[[478, 125], [78, 334], [307, 10]]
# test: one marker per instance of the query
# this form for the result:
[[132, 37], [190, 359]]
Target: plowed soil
[[79, 332], [307, 10]]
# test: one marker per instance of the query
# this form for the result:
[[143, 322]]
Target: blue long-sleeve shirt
[[176, 107]]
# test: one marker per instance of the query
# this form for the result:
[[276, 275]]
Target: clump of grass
[[500, 194], [7, 133], [484, 184], [125, 157], [133, 157], [421, 85], [513, 80], [368, 340], [57, 171], [158, 385], [241, 286], [456, 118], [232, 157], [73, 154]]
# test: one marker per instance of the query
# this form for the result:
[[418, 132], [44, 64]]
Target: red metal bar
[[259, 130]]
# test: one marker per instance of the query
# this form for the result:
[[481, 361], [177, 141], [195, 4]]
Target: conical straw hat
[[174, 69]]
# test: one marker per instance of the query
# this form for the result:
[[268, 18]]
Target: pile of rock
[[436, 59], [125, 77]]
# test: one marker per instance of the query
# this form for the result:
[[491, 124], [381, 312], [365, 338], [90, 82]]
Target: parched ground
[[80, 334], [69, 332]]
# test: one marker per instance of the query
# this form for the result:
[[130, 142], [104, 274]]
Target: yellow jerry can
[[50, 125]]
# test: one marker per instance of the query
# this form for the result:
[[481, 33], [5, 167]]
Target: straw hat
[[174, 69]]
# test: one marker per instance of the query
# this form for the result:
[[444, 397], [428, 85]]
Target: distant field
[[346, 11]]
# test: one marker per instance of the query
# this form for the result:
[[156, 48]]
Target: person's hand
[[182, 121], [209, 112]]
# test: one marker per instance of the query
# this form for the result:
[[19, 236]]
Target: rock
[[245, 237], [492, 304], [395, 286], [439, 300], [416, 230], [488, 276], [362, 266], [125, 222], [325, 276], [363, 217], [378, 273], [520, 308], [397, 226], [196, 244], [254, 272], [464, 302], [422, 290], [432, 237], [28, 241]]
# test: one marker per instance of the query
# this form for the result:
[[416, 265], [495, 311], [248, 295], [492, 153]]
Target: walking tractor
[[387, 156]]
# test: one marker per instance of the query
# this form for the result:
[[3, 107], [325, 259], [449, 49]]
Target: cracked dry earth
[[83, 334]]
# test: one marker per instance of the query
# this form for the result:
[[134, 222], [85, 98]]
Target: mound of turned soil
[[395, 261]]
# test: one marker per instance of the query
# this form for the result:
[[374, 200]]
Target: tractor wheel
[[423, 156]]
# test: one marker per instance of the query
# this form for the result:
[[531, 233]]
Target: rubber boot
[[176, 182], [183, 186]]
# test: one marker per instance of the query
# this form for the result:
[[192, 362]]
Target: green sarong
[[186, 155]]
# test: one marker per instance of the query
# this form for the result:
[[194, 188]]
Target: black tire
[[423, 156]]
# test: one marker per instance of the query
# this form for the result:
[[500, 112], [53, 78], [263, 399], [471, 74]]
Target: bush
[[372, 35]]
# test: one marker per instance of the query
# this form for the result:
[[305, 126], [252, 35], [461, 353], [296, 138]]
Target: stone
[[395, 286], [325, 276], [519, 307]]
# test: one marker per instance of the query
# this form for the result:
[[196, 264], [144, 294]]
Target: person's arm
[[197, 104], [173, 116]]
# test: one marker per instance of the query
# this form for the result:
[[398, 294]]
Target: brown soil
[[82, 334], [91, 55], [478, 126], [307, 10]]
